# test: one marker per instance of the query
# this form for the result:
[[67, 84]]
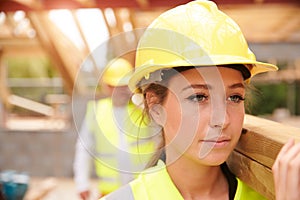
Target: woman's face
[[203, 114]]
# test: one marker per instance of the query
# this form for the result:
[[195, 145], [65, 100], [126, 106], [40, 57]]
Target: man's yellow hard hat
[[117, 72], [194, 34]]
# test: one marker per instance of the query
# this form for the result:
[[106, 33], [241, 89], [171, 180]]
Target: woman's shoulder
[[136, 188], [150, 184]]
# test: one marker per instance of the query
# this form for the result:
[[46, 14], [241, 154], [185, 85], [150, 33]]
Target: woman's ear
[[158, 114], [151, 99], [156, 110]]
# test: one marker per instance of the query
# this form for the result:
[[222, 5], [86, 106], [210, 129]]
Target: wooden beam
[[87, 3], [64, 53], [22, 51], [126, 40], [82, 88], [4, 90], [122, 43], [266, 138], [257, 150], [14, 5], [254, 174], [86, 49], [275, 22], [143, 3], [18, 47], [47, 44], [32, 4], [31, 105], [17, 42]]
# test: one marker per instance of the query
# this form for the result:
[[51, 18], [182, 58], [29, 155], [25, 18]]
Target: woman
[[192, 69]]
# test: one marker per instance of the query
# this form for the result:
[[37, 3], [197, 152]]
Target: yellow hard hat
[[117, 72], [194, 34]]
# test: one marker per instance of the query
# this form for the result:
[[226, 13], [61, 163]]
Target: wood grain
[[257, 150]]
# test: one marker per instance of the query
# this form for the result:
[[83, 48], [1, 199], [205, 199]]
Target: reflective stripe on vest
[[155, 183], [109, 158]]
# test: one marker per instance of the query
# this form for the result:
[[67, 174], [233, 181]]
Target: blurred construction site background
[[47, 73]]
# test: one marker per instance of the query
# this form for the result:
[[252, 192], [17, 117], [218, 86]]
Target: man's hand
[[84, 195]]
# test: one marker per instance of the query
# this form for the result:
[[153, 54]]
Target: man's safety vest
[[111, 161], [155, 184]]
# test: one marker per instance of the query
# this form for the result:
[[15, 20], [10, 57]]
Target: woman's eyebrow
[[208, 87], [237, 85], [201, 86]]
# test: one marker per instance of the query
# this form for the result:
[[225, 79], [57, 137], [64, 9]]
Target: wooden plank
[[257, 150], [122, 43], [87, 3], [31, 105], [264, 139], [145, 4], [40, 190], [4, 90], [32, 4], [257, 176]]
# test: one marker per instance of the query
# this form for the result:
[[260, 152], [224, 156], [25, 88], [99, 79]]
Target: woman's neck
[[195, 181]]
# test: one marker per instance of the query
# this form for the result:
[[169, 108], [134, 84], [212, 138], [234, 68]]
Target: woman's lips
[[217, 142]]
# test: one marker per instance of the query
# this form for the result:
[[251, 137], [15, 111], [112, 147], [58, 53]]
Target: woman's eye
[[236, 98], [198, 97]]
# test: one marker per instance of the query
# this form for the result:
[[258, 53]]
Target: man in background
[[112, 135]]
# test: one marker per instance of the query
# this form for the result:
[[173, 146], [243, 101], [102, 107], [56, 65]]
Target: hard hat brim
[[257, 67]]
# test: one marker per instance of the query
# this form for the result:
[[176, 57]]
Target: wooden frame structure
[[262, 139]]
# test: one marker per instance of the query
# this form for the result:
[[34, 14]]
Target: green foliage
[[266, 98], [39, 67], [28, 67], [297, 99]]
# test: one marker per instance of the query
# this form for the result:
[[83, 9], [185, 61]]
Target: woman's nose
[[219, 116]]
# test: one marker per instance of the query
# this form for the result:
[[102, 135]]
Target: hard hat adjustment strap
[[152, 77]]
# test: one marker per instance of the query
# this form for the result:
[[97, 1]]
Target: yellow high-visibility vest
[[155, 184], [109, 158]]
